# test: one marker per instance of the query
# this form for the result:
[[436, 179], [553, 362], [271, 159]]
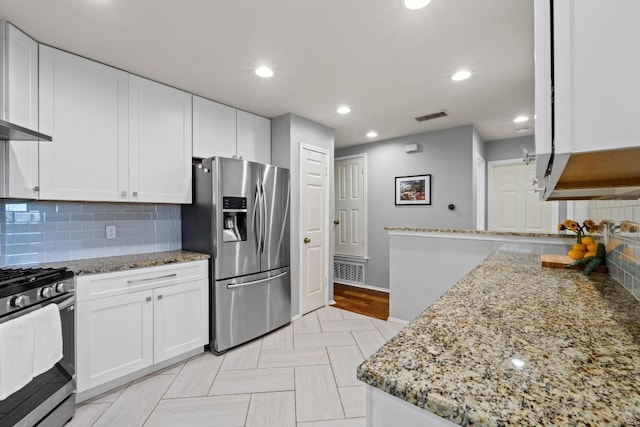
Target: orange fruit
[[575, 254], [592, 247], [586, 240], [579, 247], [589, 253]]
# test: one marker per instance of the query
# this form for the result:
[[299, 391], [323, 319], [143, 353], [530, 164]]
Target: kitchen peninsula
[[424, 263], [513, 343]]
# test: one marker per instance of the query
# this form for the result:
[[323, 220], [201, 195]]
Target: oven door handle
[[63, 301]]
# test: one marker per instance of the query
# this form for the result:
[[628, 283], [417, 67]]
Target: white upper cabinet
[[160, 142], [586, 97], [84, 107], [19, 99], [254, 137], [219, 130], [214, 129], [116, 137], [595, 99]]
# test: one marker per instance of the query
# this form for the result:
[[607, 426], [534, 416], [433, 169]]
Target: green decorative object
[[591, 262]]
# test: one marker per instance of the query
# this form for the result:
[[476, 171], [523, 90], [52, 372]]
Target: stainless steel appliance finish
[[49, 399], [240, 215], [14, 132]]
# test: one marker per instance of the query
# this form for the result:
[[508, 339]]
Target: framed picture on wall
[[413, 190]]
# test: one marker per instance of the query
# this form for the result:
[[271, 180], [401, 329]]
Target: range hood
[[13, 132], [598, 175]]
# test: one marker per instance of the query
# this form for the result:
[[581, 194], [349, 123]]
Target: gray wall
[[447, 156], [287, 133], [511, 148]]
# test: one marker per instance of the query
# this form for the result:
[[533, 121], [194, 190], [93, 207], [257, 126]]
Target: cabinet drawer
[[104, 285]]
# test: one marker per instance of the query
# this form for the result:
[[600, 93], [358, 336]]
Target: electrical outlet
[[111, 231]]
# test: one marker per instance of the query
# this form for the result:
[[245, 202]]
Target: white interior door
[[515, 205], [350, 205], [313, 218]]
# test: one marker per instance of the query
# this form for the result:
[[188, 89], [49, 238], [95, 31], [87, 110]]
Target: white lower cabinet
[[114, 337], [180, 319], [154, 318]]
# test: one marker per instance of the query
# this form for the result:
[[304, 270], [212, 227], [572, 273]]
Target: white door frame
[[365, 230], [327, 182], [555, 207], [480, 169]]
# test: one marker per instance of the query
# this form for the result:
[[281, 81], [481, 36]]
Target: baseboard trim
[[332, 302], [296, 317], [373, 288], [400, 321]]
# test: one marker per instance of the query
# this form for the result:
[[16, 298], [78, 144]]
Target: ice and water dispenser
[[234, 219]]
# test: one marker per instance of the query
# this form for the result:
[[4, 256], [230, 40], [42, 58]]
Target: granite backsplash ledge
[[36, 232]]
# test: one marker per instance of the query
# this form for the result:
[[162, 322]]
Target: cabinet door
[[254, 137], [114, 337], [181, 315], [595, 100], [214, 129], [20, 100], [84, 107], [160, 142]]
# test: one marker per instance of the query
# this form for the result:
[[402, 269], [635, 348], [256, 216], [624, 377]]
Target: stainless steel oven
[[49, 398]]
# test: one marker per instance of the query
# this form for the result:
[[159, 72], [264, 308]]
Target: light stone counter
[[516, 344], [480, 232], [127, 262]]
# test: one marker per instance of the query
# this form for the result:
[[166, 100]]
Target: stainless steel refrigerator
[[240, 215]]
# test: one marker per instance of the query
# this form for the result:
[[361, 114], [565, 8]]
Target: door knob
[[336, 222], [307, 240]]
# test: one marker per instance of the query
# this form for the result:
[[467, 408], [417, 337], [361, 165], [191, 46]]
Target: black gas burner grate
[[19, 276]]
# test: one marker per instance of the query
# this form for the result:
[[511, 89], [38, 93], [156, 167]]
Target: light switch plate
[[111, 231]]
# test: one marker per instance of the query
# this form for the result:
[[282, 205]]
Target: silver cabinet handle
[[148, 299], [123, 193], [160, 296], [255, 282], [134, 194], [151, 278]]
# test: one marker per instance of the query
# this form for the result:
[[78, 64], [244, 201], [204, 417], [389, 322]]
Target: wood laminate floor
[[360, 300]]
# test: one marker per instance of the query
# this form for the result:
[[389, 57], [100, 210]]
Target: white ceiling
[[388, 63]]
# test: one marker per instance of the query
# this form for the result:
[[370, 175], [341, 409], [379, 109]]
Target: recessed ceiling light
[[416, 4], [461, 75], [372, 134], [520, 119], [343, 110], [265, 72]]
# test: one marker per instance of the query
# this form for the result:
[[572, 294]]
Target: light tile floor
[[302, 375]]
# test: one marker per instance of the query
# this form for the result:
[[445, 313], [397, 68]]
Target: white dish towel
[[16, 354], [48, 338]]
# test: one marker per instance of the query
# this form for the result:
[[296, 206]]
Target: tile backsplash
[[37, 232], [623, 250]]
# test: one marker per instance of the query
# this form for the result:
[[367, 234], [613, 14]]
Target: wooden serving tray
[[561, 261]]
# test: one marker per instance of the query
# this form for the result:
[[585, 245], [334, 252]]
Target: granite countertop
[[127, 262], [478, 232], [517, 344]]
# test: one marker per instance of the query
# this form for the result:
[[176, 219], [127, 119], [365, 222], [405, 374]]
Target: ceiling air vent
[[437, 115]]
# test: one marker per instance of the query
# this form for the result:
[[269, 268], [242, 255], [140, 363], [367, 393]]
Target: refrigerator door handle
[[255, 282], [264, 218], [257, 224]]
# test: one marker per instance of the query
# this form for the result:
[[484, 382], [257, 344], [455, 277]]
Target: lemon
[[587, 240], [579, 247], [575, 254], [592, 247], [589, 254]]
